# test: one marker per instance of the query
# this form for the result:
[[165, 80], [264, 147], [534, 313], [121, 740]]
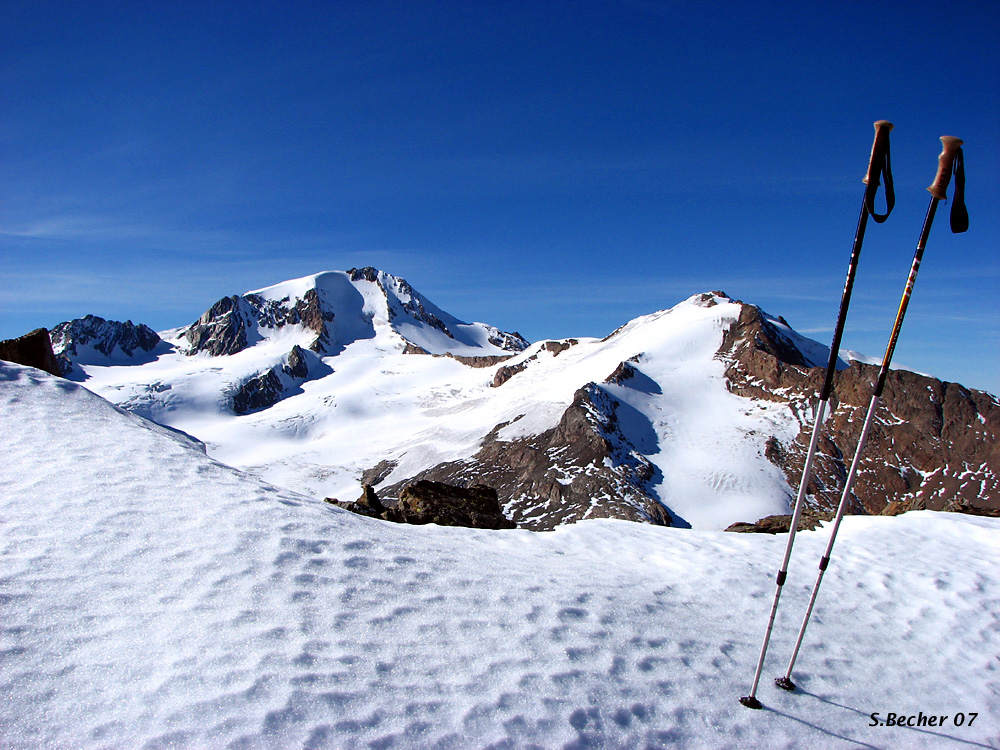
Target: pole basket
[[784, 683]]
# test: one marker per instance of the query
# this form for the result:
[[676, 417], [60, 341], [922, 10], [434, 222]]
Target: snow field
[[152, 597]]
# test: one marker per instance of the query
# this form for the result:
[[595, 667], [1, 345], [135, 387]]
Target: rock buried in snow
[[446, 505], [781, 524], [425, 502]]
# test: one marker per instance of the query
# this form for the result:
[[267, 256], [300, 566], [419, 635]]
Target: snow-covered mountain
[[330, 311], [695, 415], [151, 597]]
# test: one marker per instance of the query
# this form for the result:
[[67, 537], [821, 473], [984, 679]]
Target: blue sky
[[555, 168]]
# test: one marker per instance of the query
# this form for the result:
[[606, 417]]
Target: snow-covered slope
[[152, 597]]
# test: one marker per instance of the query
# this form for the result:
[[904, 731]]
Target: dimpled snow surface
[[151, 597]]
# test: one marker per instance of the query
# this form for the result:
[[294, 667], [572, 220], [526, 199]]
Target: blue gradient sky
[[555, 168]]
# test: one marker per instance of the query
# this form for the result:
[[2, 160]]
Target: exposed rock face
[[259, 392], [32, 350], [586, 467], [222, 329], [108, 337], [267, 388], [377, 473], [485, 361], [446, 505], [297, 366], [230, 325], [426, 502], [480, 362], [932, 445], [506, 372]]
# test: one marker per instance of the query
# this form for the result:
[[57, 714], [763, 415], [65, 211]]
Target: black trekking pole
[[878, 166], [951, 159]]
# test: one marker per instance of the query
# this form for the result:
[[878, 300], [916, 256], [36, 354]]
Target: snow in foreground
[[151, 597]]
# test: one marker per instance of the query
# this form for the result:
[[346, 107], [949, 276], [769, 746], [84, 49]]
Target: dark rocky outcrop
[[32, 350], [505, 373], [558, 347], [230, 325], [77, 340], [425, 502], [268, 388], [488, 360], [297, 366], [915, 503], [475, 507], [221, 330], [259, 392], [378, 473], [932, 444], [808, 521]]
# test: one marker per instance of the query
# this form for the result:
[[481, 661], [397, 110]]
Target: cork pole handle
[[939, 188], [882, 130]]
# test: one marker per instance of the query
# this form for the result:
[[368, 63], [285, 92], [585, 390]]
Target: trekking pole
[[878, 166], [950, 159]]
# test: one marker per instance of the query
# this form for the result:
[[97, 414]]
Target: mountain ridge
[[692, 415]]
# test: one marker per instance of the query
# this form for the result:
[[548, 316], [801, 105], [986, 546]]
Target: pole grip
[[882, 130], [939, 188]]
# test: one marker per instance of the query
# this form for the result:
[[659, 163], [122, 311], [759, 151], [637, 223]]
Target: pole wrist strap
[[881, 167], [959, 213]]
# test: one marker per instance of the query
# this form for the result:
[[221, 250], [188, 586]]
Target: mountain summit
[[698, 415], [329, 311]]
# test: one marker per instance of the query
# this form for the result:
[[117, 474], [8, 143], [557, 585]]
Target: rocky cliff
[[932, 444]]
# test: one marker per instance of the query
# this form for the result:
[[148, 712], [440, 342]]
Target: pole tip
[[750, 702], [784, 683]]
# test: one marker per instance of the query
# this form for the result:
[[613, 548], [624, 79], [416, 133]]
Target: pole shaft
[[907, 291], [845, 301], [806, 470], [841, 508]]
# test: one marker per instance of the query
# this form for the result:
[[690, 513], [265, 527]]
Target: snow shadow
[[639, 434]]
